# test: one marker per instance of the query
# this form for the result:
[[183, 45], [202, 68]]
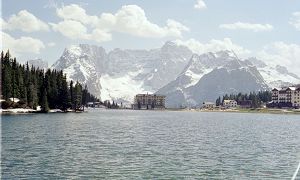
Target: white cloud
[[76, 30], [3, 24], [130, 19], [100, 35], [77, 13], [21, 45], [283, 54], [175, 28], [71, 29], [247, 26], [24, 21], [200, 5], [295, 21], [213, 46]]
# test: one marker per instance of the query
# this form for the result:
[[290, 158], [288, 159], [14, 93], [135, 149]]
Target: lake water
[[124, 144]]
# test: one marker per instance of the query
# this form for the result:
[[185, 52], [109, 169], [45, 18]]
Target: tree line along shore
[[254, 99], [42, 90], [39, 89]]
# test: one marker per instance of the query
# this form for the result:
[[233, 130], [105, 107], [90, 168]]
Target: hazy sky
[[267, 29]]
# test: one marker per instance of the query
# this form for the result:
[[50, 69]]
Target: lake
[[125, 144]]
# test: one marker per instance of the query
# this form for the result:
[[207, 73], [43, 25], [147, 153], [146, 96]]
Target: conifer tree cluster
[[256, 98], [110, 105], [33, 86]]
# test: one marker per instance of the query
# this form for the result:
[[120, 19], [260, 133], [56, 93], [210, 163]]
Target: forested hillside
[[36, 87]]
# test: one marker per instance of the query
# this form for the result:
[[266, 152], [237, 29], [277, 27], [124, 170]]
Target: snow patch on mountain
[[275, 75], [195, 77], [211, 75], [121, 89]]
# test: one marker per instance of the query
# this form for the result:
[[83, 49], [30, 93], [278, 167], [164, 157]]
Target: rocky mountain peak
[[172, 70], [258, 63]]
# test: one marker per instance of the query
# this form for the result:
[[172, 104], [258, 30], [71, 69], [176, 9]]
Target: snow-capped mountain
[[120, 74], [173, 70], [234, 77], [83, 63], [211, 75], [275, 75]]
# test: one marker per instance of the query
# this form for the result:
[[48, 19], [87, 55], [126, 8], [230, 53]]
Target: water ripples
[[150, 145]]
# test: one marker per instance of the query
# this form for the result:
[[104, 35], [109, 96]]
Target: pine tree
[[15, 88], [40, 85], [85, 95], [72, 95], [6, 76], [64, 96], [218, 101], [77, 95], [27, 82], [113, 105], [33, 97], [52, 88], [226, 97], [44, 104], [21, 85]]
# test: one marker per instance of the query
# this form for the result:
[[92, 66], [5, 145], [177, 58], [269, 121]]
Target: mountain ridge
[[121, 73]]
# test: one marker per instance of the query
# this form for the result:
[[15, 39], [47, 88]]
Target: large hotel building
[[286, 97], [149, 101]]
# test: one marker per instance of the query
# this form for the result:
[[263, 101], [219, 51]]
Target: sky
[[268, 29]]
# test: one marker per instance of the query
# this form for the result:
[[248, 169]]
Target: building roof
[[150, 95], [283, 89]]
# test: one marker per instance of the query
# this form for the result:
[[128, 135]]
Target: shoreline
[[256, 111], [18, 111]]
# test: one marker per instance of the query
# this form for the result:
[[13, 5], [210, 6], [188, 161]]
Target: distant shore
[[33, 111], [260, 110], [264, 110]]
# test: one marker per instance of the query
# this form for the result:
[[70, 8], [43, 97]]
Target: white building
[[230, 103], [208, 105], [286, 97]]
